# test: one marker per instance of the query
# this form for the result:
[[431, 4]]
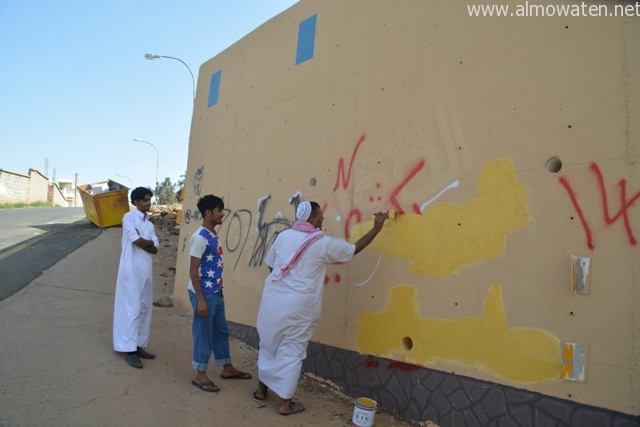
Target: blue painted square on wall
[[214, 88], [306, 39]]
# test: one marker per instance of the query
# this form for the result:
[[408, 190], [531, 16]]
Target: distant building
[[71, 194]]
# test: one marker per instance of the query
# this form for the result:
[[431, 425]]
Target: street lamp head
[[157, 155], [152, 56]]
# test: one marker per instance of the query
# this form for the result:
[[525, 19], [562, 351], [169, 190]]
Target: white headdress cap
[[304, 211]]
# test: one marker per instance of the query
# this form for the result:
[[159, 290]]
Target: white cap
[[304, 211]]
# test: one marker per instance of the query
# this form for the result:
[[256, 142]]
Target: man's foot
[[239, 376], [293, 408], [144, 354], [261, 391], [207, 386], [134, 360], [231, 373], [259, 396]]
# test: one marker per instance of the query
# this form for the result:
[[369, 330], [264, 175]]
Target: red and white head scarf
[[302, 224]]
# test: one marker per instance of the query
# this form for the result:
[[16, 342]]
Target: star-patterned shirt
[[205, 245]]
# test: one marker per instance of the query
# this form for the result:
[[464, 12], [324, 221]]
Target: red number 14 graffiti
[[623, 213]]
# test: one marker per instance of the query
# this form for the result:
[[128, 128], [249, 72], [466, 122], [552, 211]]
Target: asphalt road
[[35, 239]]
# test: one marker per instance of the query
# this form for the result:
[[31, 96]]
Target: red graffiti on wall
[[394, 195], [324, 207], [407, 367], [625, 204], [347, 177], [574, 200], [355, 212]]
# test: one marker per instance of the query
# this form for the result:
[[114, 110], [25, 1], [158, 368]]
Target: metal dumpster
[[105, 202]]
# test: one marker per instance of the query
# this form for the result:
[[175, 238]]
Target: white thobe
[[134, 286], [291, 306]]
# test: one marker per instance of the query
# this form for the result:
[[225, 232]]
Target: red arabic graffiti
[[625, 204], [346, 178], [394, 200], [347, 222]]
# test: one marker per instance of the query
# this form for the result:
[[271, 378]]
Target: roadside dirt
[[326, 406]]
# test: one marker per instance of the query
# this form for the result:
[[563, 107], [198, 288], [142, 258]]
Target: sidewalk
[[58, 367]]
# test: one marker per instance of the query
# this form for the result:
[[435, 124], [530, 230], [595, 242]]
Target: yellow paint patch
[[488, 343], [448, 236]]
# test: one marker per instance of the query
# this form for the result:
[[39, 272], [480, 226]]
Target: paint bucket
[[363, 412]]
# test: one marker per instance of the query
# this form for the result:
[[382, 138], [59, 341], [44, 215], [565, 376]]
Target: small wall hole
[[554, 164], [407, 343]]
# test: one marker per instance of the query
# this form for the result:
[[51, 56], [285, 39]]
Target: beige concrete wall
[[38, 187], [507, 145], [17, 188], [14, 187]]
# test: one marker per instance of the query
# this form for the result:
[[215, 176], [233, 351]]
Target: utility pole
[[75, 192]]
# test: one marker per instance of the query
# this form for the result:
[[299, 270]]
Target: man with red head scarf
[[292, 299]]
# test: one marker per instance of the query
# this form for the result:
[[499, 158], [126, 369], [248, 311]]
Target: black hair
[[315, 208], [139, 193], [209, 202]]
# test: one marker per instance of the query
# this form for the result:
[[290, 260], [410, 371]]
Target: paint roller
[[392, 213]]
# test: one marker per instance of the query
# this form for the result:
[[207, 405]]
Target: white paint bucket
[[364, 412]]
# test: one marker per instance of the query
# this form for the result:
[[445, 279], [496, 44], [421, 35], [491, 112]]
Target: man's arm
[[146, 245], [365, 240], [194, 267]]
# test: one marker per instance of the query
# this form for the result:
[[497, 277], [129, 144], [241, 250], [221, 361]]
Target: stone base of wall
[[416, 394]]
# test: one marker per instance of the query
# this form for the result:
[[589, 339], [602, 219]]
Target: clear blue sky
[[76, 89]]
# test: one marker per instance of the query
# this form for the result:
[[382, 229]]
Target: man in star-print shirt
[[209, 328]]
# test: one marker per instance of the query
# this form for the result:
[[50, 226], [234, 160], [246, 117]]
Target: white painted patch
[[372, 273], [444, 190]]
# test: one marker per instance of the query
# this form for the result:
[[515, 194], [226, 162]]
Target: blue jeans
[[211, 333]]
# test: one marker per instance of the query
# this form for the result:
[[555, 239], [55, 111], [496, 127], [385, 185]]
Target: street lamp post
[[152, 56], [157, 155], [130, 182]]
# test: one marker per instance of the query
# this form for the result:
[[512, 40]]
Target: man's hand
[[378, 222], [202, 307], [146, 245], [151, 249], [380, 218]]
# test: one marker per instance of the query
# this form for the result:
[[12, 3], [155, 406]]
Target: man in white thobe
[[134, 286], [292, 299]]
